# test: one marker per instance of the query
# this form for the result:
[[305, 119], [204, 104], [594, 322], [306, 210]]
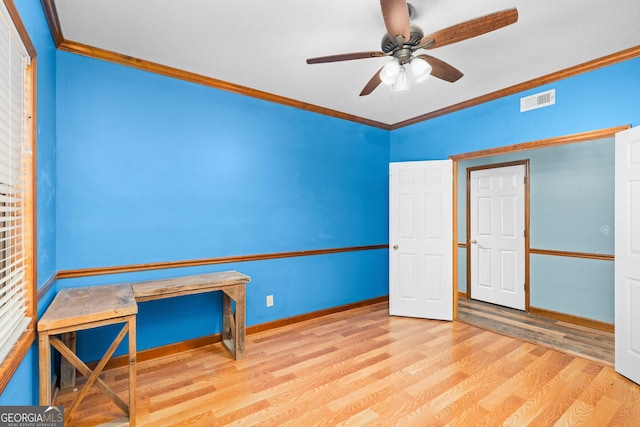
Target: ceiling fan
[[403, 39]]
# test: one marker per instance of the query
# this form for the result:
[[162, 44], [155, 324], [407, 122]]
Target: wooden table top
[[76, 306], [186, 285]]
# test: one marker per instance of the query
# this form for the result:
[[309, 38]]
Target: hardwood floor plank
[[498, 414], [574, 383], [629, 412], [363, 367]]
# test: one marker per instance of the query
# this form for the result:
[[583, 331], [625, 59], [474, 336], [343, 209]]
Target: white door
[[627, 254], [421, 239], [496, 235]]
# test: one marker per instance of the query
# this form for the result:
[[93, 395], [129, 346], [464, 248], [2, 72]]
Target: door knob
[[474, 241], [395, 247]]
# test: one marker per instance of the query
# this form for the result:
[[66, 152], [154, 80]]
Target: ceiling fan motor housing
[[415, 36]]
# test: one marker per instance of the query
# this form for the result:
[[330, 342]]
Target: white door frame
[[525, 163]]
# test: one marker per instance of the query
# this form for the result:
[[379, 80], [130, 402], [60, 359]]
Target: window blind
[[14, 157]]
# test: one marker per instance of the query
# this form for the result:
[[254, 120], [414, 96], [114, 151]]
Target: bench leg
[[67, 370], [133, 370], [45, 369], [228, 325], [234, 324], [241, 320]]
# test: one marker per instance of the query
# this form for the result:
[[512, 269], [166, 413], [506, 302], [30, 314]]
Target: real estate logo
[[31, 416]]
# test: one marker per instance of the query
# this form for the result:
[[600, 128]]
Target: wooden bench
[[76, 309], [233, 287]]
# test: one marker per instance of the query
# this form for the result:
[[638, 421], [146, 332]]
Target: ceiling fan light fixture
[[402, 82], [420, 69], [390, 72], [403, 39]]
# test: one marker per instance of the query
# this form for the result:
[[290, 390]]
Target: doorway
[[497, 214], [588, 259]]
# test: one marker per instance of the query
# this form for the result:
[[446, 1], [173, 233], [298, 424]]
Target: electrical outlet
[[269, 300]]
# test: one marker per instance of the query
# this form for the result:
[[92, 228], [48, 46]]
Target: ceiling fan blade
[[441, 69], [396, 18], [372, 84], [472, 28], [345, 57]]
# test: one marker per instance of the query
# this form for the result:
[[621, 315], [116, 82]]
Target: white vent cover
[[538, 100]]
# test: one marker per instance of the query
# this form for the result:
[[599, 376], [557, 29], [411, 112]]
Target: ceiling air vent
[[538, 100]]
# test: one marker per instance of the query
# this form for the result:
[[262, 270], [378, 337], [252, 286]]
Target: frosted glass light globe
[[420, 69], [389, 73]]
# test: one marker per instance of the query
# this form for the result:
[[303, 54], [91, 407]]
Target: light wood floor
[[364, 368]]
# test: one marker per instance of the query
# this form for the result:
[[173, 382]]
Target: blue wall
[[153, 169], [599, 99], [39, 33], [156, 169]]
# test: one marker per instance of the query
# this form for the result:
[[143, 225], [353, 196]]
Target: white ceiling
[[263, 44]]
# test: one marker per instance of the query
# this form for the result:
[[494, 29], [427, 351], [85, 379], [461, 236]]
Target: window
[[17, 300]]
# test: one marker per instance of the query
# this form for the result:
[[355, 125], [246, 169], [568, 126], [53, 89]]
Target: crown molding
[[94, 52], [585, 67], [152, 67]]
